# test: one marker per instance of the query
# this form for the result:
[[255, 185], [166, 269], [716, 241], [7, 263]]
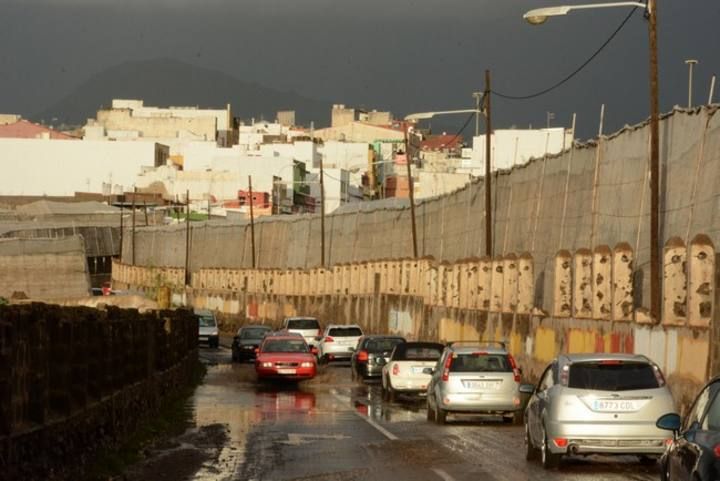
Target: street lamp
[[539, 16], [485, 96], [690, 63]]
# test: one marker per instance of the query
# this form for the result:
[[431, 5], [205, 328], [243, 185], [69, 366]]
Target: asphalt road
[[331, 429]]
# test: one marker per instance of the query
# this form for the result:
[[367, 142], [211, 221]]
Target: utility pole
[[252, 222], [121, 230], [187, 238], [691, 64], [488, 181], [133, 225], [712, 90], [146, 214], [322, 214], [655, 263], [411, 191]]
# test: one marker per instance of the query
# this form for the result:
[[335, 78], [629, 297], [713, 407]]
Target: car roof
[[382, 336], [478, 348], [573, 358], [203, 312], [255, 326], [301, 318], [285, 334], [285, 337], [333, 326]]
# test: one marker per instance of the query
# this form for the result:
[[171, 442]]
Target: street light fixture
[[539, 16]]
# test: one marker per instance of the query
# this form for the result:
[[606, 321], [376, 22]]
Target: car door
[[538, 403], [434, 385], [686, 450]]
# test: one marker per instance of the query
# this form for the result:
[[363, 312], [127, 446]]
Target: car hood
[[285, 356]]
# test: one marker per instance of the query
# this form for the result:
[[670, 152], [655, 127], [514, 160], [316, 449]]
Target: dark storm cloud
[[405, 55]]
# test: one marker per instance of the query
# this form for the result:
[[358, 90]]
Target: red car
[[285, 357]]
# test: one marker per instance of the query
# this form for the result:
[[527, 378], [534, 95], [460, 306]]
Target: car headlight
[[307, 364], [266, 364], [214, 333]]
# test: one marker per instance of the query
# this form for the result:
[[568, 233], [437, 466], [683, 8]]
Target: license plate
[[286, 371], [482, 384], [614, 405]]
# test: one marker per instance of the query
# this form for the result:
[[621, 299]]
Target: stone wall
[[74, 380]]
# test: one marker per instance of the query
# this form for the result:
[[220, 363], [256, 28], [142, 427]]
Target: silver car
[[475, 378], [208, 332], [307, 327], [597, 403]]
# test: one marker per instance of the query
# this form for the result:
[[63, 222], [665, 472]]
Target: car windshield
[[207, 321], [383, 345], [345, 332], [612, 376], [481, 363], [285, 345], [712, 418], [303, 324], [253, 332]]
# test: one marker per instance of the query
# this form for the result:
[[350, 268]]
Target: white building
[[512, 147], [63, 167]]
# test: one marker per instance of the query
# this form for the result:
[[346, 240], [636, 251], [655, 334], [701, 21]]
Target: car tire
[[518, 418], [441, 415], [391, 395], [648, 460], [531, 452], [548, 459], [234, 357], [430, 414]]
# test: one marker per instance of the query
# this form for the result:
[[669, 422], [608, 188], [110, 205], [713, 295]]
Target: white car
[[338, 342], [406, 371]]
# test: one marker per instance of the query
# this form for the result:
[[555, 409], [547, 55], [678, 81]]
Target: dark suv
[[371, 354]]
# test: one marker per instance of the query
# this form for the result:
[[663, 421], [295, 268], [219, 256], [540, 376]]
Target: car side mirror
[[429, 371], [669, 422], [527, 389], [257, 350], [314, 350], [380, 361]]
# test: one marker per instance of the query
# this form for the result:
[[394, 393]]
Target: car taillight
[[716, 451], [329, 339], [565, 375], [561, 442], [659, 376], [396, 369], [362, 356], [516, 370], [446, 370]]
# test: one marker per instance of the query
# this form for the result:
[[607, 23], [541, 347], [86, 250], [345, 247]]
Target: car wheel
[[648, 460], [518, 418], [391, 396], [531, 452], [548, 459], [430, 413], [440, 415]]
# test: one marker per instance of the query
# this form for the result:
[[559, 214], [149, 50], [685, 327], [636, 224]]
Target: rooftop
[[24, 129]]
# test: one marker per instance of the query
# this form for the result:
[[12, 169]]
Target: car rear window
[[303, 324], [285, 345], [417, 352], [383, 345], [253, 332], [612, 376], [345, 332], [481, 363]]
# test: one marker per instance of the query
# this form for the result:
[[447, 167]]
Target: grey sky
[[405, 55]]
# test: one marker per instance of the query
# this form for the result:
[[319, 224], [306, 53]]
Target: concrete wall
[[76, 380], [63, 167], [478, 299], [548, 204], [44, 268]]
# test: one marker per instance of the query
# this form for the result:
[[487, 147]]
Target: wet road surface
[[331, 429]]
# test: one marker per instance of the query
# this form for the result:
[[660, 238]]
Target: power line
[[575, 72]]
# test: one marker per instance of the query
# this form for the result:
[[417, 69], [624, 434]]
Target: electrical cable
[[575, 72]]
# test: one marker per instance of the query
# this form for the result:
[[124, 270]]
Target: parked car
[[371, 354], [405, 372], [475, 378], [285, 357], [597, 403], [308, 327], [694, 454], [247, 339], [338, 342], [208, 332]]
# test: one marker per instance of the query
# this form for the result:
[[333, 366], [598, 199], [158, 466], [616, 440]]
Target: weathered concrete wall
[[75, 380], [594, 194], [44, 268], [478, 299]]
